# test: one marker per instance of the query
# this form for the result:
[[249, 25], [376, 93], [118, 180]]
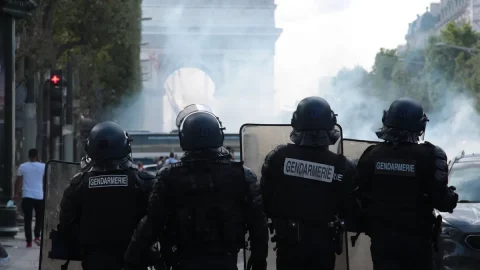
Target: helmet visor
[[192, 108]]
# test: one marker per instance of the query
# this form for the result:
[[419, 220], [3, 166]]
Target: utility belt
[[292, 231]]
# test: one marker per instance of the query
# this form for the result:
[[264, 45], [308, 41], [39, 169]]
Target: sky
[[322, 36], [319, 38]]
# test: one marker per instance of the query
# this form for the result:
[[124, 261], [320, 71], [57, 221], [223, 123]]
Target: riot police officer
[[105, 203], [304, 186], [201, 206], [401, 181]]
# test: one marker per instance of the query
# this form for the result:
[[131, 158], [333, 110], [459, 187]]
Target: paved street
[[21, 257], [360, 258]]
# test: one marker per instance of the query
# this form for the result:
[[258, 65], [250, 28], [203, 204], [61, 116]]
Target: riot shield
[[359, 256], [57, 178], [256, 141]]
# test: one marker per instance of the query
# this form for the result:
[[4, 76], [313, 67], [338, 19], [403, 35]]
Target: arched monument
[[233, 41]]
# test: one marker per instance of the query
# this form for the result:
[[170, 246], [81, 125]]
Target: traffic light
[[56, 93], [56, 79]]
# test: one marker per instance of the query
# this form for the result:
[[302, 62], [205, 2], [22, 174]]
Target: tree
[[101, 38], [428, 74], [382, 73]]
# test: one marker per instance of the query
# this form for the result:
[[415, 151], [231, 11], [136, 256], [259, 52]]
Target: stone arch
[[170, 66], [221, 38]]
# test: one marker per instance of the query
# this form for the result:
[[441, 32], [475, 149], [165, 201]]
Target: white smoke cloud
[[319, 38], [315, 45]]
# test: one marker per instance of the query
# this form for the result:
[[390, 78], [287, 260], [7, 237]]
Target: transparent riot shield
[[57, 178], [359, 256], [256, 141]]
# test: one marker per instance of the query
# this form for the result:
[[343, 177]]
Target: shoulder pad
[[437, 150], [370, 148], [250, 176], [274, 151], [77, 178], [428, 144], [349, 163], [235, 164], [145, 181], [439, 153], [145, 175], [164, 171]]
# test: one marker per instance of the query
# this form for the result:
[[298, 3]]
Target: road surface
[[359, 255]]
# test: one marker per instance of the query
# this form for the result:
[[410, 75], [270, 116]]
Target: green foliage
[[449, 62], [102, 40]]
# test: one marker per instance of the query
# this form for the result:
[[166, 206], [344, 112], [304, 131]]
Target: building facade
[[438, 16], [424, 26]]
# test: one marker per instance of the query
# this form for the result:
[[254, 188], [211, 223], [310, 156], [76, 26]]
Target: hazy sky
[[322, 36]]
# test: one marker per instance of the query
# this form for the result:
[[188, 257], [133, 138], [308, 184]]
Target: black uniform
[[201, 207], [102, 207], [305, 187], [401, 182], [302, 208]]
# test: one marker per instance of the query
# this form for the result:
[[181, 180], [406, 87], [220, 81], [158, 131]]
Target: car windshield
[[466, 178]]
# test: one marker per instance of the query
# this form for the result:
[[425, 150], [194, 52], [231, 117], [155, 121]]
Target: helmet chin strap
[[421, 138]]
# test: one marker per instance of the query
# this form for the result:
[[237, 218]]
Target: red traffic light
[[55, 79]]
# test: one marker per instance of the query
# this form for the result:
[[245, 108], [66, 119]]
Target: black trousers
[[394, 251], [103, 260], [315, 251], [212, 262], [28, 205]]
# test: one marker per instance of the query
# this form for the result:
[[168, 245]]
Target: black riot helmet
[[313, 113], [199, 128], [108, 143], [406, 114]]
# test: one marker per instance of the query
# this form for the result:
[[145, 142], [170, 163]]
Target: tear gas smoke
[[239, 76], [297, 74], [454, 128]]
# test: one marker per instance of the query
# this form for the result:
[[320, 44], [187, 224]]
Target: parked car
[[459, 245]]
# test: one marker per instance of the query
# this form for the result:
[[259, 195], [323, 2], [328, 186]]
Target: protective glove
[[256, 264]]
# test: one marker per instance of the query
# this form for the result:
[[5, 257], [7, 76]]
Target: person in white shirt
[[171, 159], [30, 185]]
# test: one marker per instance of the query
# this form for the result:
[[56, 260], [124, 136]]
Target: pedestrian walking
[[29, 185]]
